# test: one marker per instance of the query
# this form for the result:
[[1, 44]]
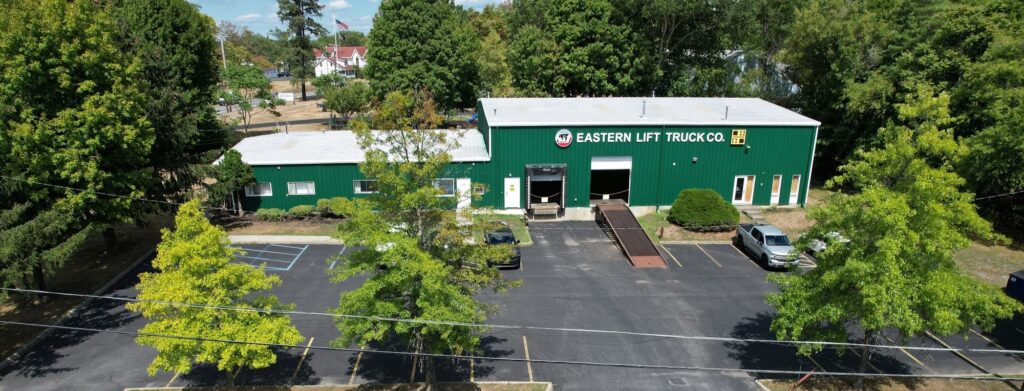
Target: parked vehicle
[[501, 236], [768, 244], [818, 245]]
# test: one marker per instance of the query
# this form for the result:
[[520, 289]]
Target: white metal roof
[[335, 147], [638, 111]]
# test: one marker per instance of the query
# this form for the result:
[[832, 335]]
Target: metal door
[[512, 193]]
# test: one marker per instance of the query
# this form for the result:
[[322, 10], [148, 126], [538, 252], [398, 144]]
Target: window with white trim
[[364, 186], [259, 189], [301, 188], [446, 186], [794, 189], [479, 189]]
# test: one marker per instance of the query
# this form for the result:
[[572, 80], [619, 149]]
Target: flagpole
[[335, 22]]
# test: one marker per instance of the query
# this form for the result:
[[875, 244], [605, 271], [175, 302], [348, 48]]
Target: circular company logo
[[563, 138]]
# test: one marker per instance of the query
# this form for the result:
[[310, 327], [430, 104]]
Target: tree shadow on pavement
[[774, 356], [279, 374], [43, 357], [395, 368]]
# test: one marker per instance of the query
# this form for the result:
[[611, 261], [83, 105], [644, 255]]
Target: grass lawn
[[659, 229], [88, 270], [291, 227], [515, 222], [830, 384], [371, 387], [989, 263]]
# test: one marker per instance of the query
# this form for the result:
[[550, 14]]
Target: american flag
[[339, 24]]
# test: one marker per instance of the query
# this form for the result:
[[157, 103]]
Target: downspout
[[810, 169], [661, 165]]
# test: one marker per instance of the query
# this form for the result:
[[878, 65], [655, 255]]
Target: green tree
[[345, 38], [418, 262], [895, 268], [571, 48], [300, 16], [417, 44], [175, 46], [193, 266], [246, 85], [492, 58], [72, 116], [326, 82], [348, 100], [232, 174]]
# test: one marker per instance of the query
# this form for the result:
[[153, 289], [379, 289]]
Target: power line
[[999, 195], [994, 377], [516, 327], [29, 181]]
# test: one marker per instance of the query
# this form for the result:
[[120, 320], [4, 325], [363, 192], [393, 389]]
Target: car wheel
[[764, 260]]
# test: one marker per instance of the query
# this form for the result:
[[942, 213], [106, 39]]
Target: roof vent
[[726, 112], [643, 109]]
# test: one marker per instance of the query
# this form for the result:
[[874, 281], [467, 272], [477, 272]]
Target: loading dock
[[545, 189], [610, 178]]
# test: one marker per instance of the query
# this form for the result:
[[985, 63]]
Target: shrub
[[270, 214], [301, 211], [703, 210], [332, 206]]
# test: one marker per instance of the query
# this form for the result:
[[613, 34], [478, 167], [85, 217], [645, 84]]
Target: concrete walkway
[[282, 239]]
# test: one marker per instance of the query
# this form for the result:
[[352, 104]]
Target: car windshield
[[777, 241], [500, 237]]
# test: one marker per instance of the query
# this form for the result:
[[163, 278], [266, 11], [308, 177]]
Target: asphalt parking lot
[[573, 277]]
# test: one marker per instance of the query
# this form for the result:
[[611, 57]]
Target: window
[[301, 188], [479, 188], [365, 186], [739, 137], [794, 189], [259, 189], [743, 190], [446, 186]]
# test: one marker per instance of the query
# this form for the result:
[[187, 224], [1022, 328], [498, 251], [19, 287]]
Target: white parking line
[[671, 255], [264, 259], [268, 251], [281, 245], [709, 255], [340, 253]]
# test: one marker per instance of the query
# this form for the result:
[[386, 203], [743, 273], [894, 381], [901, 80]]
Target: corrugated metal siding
[[660, 169], [334, 180]]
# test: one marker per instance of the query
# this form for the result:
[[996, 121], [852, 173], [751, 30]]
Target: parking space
[[276, 257], [573, 277]]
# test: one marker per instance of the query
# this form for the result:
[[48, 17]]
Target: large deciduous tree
[[250, 90], [571, 48], [417, 44], [891, 265], [71, 114], [300, 16], [419, 261], [194, 267], [175, 46], [232, 175]]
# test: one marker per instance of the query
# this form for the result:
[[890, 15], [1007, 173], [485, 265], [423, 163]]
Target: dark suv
[[504, 235]]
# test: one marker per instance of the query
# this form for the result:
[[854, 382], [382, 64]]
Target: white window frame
[[437, 184], [794, 196], [250, 190], [746, 183], [292, 187], [479, 188], [358, 189]]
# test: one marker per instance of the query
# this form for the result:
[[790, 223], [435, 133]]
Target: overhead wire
[[515, 327], [994, 377], [32, 182]]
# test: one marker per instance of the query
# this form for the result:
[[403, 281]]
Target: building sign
[[563, 138], [739, 137]]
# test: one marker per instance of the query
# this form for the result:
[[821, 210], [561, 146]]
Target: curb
[[282, 239], [696, 242], [550, 386], [9, 360]]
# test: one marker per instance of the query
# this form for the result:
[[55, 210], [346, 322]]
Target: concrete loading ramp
[[631, 237]]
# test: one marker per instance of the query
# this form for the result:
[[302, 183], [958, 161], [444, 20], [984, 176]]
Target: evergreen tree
[[300, 17]]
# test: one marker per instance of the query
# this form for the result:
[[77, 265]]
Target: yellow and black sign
[[739, 137]]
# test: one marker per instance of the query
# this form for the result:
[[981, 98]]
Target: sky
[[261, 15]]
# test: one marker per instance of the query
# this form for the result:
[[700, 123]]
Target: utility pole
[[223, 57]]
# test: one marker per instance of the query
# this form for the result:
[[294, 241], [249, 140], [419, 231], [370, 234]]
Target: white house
[[340, 59]]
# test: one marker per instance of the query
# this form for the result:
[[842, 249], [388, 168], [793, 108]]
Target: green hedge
[[301, 211], [332, 206], [270, 214], [703, 210]]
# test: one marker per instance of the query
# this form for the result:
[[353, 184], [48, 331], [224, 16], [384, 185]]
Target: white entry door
[[776, 189], [463, 188], [512, 193]]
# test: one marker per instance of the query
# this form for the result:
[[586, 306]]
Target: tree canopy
[[194, 267], [300, 17], [417, 259], [417, 44]]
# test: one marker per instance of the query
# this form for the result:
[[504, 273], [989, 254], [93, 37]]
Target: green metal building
[[569, 153]]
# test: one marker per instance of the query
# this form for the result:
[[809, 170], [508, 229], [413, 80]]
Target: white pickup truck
[[768, 244]]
